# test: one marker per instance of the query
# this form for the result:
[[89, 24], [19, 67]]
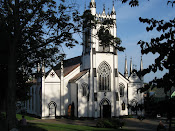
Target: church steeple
[[141, 64], [93, 7], [113, 10], [85, 6], [38, 68], [103, 13], [131, 66], [126, 68], [141, 68]]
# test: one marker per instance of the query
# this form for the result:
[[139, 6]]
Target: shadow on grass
[[28, 127], [31, 127], [69, 127]]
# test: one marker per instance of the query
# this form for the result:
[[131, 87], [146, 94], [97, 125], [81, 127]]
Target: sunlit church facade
[[89, 85]]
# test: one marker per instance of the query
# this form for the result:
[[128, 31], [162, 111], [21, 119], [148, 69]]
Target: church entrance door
[[105, 108], [106, 111], [52, 109]]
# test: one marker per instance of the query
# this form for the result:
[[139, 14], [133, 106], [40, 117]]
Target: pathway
[[130, 123], [144, 125]]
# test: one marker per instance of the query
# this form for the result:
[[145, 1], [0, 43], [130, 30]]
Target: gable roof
[[123, 76], [78, 76], [68, 66]]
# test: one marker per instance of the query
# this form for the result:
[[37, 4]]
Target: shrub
[[110, 123]]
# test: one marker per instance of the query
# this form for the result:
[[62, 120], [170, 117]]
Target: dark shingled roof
[[69, 65], [78, 76]]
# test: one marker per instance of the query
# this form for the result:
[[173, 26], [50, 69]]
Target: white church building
[[89, 85]]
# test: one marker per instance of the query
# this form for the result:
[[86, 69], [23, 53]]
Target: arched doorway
[[105, 108], [52, 109]]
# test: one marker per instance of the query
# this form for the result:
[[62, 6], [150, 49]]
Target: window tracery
[[104, 77]]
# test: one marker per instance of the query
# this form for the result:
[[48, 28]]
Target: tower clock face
[[52, 74]]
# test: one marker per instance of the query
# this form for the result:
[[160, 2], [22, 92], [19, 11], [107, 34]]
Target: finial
[[38, 68], [103, 13], [85, 6], [113, 9], [104, 7], [130, 66], [141, 64], [108, 11], [126, 68]]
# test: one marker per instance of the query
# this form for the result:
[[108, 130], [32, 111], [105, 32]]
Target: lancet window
[[84, 89], [104, 77], [121, 87]]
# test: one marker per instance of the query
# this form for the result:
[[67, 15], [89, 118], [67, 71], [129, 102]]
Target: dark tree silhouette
[[34, 30], [164, 45]]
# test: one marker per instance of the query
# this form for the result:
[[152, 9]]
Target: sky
[[130, 30]]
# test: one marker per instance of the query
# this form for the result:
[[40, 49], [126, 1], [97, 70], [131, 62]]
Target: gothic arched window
[[121, 87], [84, 89], [104, 77]]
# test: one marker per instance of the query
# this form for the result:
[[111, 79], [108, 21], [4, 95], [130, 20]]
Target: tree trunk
[[12, 61], [170, 111], [170, 120], [11, 92]]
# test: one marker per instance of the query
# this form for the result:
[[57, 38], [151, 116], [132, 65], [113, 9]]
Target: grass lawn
[[19, 117], [64, 127], [52, 127]]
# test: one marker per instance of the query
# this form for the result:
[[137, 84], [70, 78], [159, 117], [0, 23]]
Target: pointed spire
[[103, 13], [62, 68], [126, 68], [141, 64], [131, 66], [38, 68], [85, 6], [43, 68], [103, 7], [141, 69], [113, 10], [108, 11]]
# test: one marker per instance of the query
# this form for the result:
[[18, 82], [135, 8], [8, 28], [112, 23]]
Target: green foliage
[[134, 3], [109, 123], [106, 38], [34, 31], [164, 45], [42, 28], [27, 117]]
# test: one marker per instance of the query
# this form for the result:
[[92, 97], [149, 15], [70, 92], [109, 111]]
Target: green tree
[[35, 29], [164, 45], [106, 38]]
